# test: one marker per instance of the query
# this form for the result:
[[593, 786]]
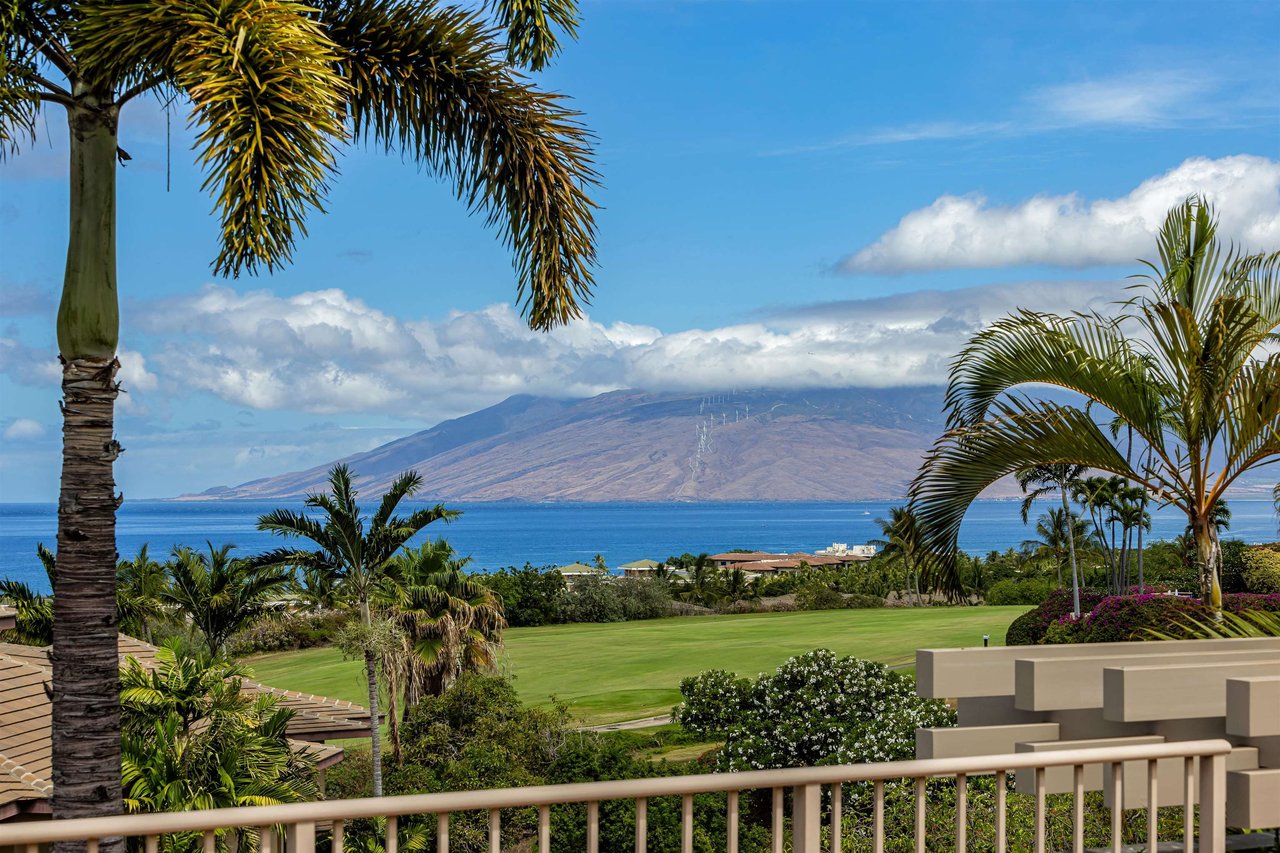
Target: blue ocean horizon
[[513, 533]]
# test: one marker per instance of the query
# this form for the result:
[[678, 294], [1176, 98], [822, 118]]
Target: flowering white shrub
[[815, 709]]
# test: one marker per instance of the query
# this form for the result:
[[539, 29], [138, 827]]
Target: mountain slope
[[845, 444]]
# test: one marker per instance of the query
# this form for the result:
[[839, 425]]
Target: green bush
[[287, 632], [815, 596], [1261, 571], [855, 601], [1231, 570], [815, 709], [1012, 591], [530, 596]]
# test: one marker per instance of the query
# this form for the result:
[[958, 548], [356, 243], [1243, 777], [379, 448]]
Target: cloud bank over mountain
[[1071, 231], [327, 352]]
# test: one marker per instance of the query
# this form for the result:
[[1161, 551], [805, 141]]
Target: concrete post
[[1213, 804], [806, 819]]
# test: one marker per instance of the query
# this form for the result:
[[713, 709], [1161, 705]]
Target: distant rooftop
[[641, 564]]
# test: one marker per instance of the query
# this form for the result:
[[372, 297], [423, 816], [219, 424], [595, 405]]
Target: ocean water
[[504, 534]]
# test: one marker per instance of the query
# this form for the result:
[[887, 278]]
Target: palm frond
[[266, 102], [434, 82], [531, 27]]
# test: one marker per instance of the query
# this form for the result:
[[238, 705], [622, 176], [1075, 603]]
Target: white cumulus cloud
[[1070, 231], [329, 352], [23, 429]]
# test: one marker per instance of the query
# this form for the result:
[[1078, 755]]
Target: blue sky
[[795, 193]]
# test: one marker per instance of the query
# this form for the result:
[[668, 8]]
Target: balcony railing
[[293, 828]]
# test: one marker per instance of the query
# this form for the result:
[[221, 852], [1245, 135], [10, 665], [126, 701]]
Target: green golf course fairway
[[628, 670]]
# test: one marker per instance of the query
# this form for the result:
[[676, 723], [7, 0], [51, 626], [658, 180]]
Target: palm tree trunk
[[1209, 556], [1142, 518], [1071, 544], [86, 667], [375, 730]]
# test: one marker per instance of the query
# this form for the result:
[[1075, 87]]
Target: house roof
[[641, 564], [746, 556], [578, 569], [26, 772]]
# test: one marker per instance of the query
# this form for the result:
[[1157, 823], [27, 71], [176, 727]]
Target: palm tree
[[1056, 530], [135, 605], [275, 88], [903, 541], [33, 611], [356, 550], [448, 625], [140, 584], [220, 594], [1202, 397], [1039, 480]]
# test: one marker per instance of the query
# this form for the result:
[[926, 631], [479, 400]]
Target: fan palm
[[448, 625], [357, 551], [275, 89], [1182, 364], [1039, 480], [220, 594]]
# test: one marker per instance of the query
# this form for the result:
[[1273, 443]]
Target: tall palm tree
[[1037, 481], [358, 551], [1182, 364], [220, 594], [275, 89], [904, 541]]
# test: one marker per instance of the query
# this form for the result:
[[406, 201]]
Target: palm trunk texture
[[86, 668], [375, 733]]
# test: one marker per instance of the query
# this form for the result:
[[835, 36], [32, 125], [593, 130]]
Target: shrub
[[1030, 628], [856, 601], [816, 596], [815, 709], [592, 599], [1231, 570], [1261, 571], [530, 596], [644, 598], [1123, 617], [286, 633], [711, 703], [1025, 630], [1019, 591]]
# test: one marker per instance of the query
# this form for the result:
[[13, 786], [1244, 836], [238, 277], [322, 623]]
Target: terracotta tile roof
[[26, 771]]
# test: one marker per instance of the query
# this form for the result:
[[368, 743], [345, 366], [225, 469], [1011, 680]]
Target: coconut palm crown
[[1187, 364]]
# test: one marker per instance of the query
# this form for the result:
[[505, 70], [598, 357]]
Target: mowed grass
[[628, 670]]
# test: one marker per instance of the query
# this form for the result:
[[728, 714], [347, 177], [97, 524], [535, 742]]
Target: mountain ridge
[[763, 444]]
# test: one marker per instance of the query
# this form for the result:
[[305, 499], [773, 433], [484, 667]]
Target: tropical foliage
[[1192, 399], [220, 594], [193, 740]]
